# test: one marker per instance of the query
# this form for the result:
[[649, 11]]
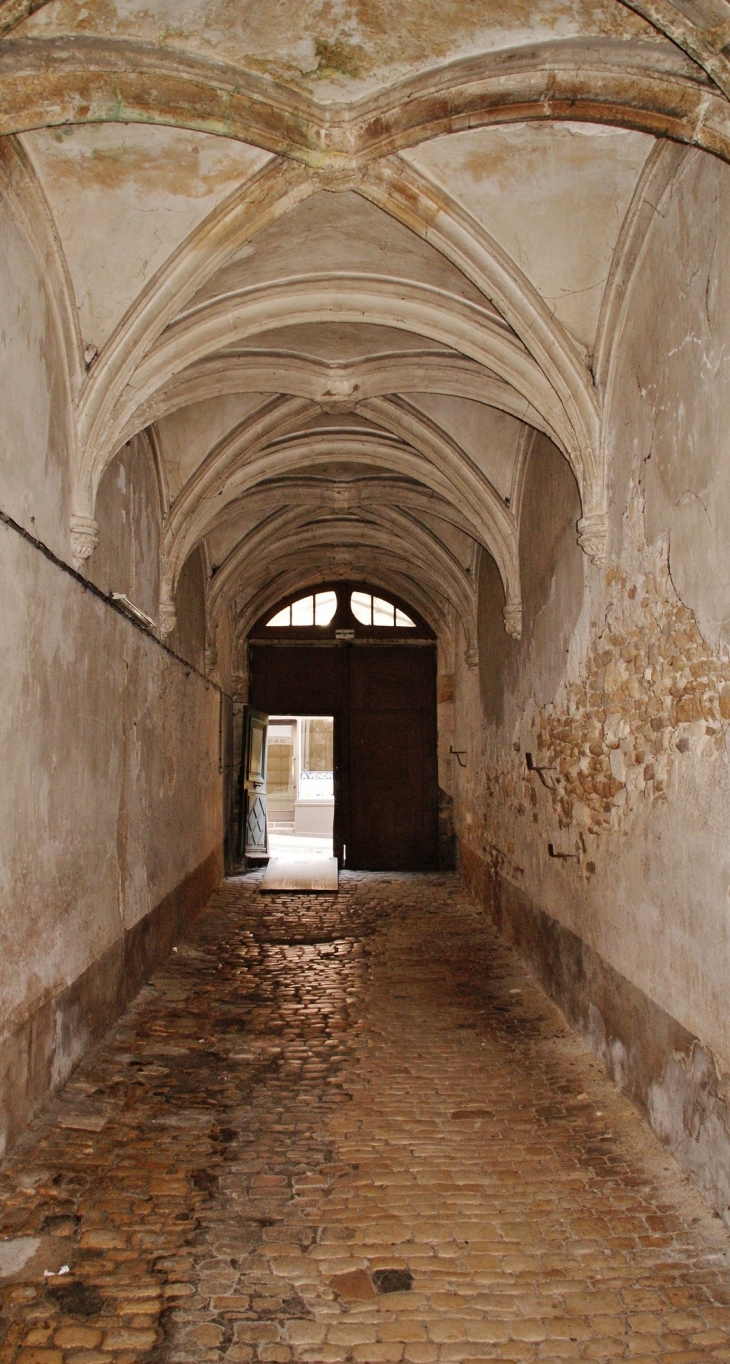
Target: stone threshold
[[667, 1072], [38, 1057]]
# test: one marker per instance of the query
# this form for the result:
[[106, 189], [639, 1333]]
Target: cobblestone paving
[[349, 1128]]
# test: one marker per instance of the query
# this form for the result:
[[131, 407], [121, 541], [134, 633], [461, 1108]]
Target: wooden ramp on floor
[[306, 873]]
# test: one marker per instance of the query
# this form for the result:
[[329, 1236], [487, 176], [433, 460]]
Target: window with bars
[[317, 609], [370, 610]]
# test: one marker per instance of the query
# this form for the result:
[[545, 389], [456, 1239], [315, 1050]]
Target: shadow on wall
[[188, 637], [127, 558], [552, 573]]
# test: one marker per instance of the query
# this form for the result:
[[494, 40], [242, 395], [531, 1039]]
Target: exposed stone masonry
[[349, 1129], [650, 689]]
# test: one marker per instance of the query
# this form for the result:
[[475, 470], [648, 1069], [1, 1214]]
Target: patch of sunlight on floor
[[294, 847]]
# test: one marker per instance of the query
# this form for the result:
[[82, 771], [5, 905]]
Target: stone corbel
[[471, 657], [512, 617], [239, 687], [167, 615], [593, 536], [84, 538]]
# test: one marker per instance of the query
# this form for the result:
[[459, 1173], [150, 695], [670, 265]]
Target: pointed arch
[[649, 87], [268, 194], [704, 45], [22, 191], [411, 197], [421, 309], [271, 371], [383, 570], [290, 532], [196, 509]]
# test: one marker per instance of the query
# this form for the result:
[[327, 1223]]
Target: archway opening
[[350, 651]]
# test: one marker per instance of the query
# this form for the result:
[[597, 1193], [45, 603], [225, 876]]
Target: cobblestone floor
[[349, 1128]]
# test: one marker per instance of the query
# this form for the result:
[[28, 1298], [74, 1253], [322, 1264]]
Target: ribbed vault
[[342, 349]]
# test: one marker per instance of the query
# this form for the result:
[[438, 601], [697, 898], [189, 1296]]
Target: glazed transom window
[[317, 609], [371, 610]]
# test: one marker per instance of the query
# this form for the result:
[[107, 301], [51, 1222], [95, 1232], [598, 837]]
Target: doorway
[[300, 786], [370, 667]]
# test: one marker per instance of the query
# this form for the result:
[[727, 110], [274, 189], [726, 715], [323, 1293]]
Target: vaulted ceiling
[[348, 262]]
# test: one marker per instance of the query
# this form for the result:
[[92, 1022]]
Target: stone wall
[[593, 812]]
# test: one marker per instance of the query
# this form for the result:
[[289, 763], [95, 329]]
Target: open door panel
[[253, 834]]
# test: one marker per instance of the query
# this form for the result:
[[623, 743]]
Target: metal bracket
[[564, 857], [458, 753], [549, 785]]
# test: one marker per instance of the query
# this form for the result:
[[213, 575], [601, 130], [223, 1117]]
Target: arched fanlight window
[[371, 610], [316, 609]]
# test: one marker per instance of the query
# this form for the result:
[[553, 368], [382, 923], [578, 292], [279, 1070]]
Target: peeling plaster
[[553, 195], [124, 197], [332, 47]]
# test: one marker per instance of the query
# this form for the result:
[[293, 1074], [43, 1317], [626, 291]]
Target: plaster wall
[[143, 190], [188, 637], [618, 690], [34, 453], [128, 511], [490, 438], [338, 49], [581, 175], [188, 434], [111, 800], [311, 238]]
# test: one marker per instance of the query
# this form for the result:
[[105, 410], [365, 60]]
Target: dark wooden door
[[383, 700], [392, 769]]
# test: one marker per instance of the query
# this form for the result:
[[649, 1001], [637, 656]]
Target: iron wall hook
[[563, 855], [550, 785]]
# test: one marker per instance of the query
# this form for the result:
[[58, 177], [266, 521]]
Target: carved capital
[[84, 539], [593, 536], [167, 616], [512, 617], [471, 658]]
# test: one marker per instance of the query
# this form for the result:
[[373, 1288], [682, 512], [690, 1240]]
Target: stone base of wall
[[664, 1069], [41, 1054]]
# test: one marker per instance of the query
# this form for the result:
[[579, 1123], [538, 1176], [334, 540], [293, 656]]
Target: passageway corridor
[[349, 1128]]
